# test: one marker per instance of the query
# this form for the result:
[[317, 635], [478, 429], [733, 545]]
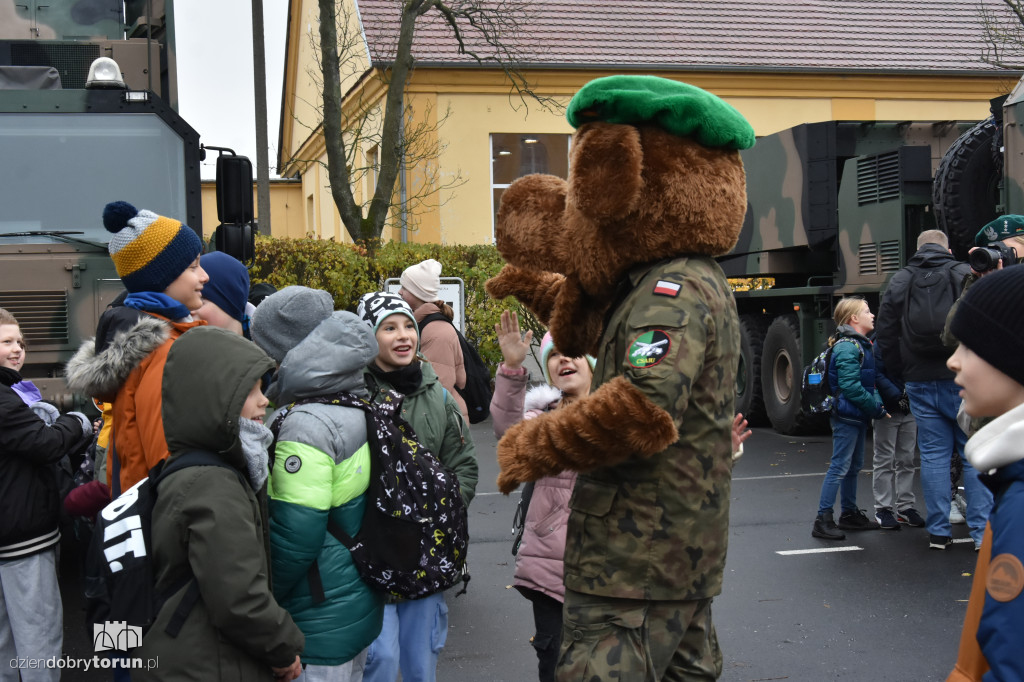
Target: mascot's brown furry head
[[655, 173]]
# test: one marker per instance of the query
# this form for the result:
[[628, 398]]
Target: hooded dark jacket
[[29, 505], [902, 364], [208, 522]]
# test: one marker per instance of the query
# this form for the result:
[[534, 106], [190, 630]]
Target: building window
[[514, 155]]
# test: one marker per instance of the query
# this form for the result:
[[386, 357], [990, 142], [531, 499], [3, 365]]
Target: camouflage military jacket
[[657, 528]]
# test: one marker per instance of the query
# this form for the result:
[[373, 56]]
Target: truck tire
[[966, 186], [781, 372], [749, 398], [781, 368]]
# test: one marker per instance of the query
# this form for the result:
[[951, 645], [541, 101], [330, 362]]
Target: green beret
[[999, 229], [681, 109]]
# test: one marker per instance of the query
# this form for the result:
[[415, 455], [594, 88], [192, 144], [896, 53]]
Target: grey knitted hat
[[285, 318]]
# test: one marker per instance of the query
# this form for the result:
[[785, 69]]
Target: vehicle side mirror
[[234, 189], [238, 241]]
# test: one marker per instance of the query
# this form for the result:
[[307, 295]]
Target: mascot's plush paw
[[536, 290], [519, 458], [612, 424]]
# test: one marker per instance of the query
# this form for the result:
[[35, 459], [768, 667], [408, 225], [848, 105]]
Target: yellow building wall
[[286, 218], [478, 103]]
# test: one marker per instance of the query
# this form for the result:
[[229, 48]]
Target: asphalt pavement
[[883, 608]]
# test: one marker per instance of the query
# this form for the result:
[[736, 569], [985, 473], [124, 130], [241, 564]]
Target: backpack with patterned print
[[414, 535]]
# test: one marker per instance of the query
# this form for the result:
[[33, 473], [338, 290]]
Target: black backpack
[[929, 295], [120, 580], [477, 393], [414, 534], [817, 395]]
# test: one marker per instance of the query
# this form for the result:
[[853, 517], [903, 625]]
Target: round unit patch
[[649, 349], [1005, 578], [292, 464]]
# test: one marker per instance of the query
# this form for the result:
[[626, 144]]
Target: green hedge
[[346, 271]]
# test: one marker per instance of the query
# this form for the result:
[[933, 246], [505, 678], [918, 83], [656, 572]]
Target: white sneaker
[[955, 515]]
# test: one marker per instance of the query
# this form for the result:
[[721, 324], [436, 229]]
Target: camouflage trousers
[[632, 640]]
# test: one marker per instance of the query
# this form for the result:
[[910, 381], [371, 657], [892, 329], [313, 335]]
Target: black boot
[[825, 527]]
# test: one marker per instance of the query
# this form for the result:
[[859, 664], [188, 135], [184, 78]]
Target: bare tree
[[486, 31], [1004, 35]]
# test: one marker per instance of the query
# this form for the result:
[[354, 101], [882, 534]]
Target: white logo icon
[[116, 635]]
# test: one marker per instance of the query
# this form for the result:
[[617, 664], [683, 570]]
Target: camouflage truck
[[835, 208], [68, 150]]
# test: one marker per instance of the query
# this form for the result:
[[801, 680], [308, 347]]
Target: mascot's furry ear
[[605, 171]]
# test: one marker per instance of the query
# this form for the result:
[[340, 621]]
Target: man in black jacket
[[909, 329], [31, 618]]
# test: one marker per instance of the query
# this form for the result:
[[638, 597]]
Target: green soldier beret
[[681, 109], [999, 229]]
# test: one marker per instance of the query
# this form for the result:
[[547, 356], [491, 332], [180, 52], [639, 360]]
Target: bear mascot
[[618, 262]]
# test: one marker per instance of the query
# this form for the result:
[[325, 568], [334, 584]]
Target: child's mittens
[[86, 423], [45, 411]]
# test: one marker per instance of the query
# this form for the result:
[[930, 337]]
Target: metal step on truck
[[834, 209]]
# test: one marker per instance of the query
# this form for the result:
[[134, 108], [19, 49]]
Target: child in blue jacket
[[989, 366], [852, 371]]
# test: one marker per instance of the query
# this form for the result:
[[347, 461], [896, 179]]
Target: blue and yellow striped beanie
[[149, 251]]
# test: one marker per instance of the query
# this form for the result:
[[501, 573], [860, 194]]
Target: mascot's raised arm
[[619, 263]]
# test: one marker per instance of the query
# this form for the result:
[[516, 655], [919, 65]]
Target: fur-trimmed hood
[[540, 398], [101, 375]]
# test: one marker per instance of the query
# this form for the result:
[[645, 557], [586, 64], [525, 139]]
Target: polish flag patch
[[664, 288]]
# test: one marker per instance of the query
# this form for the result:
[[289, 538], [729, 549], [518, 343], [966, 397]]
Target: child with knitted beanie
[[157, 259], [226, 294], [544, 508], [989, 366], [439, 344], [414, 630]]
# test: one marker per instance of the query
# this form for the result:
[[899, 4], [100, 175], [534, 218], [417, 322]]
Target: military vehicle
[[834, 209], [70, 146]]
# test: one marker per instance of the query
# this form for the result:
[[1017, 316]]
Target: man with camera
[[999, 244], [909, 327]]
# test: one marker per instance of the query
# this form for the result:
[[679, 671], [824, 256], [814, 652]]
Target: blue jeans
[[412, 637], [934, 405], [847, 460]]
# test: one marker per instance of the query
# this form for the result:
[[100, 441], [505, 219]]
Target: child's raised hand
[[514, 345], [739, 433]]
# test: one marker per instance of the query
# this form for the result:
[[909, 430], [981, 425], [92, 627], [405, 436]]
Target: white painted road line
[[820, 550]]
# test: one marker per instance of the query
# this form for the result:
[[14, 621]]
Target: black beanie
[[990, 322]]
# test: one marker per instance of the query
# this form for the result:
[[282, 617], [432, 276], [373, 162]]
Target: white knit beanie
[[423, 280]]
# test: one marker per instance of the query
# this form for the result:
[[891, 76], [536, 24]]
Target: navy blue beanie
[[229, 283]]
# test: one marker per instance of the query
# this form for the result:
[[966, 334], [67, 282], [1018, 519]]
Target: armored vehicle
[[68, 149], [834, 209]]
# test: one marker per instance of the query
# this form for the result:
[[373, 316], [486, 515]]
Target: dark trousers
[[547, 620]]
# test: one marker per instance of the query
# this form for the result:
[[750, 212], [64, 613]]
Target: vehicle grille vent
[[867, 258], [890, 255], [42, 315], [878, 178], [71, 59]]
